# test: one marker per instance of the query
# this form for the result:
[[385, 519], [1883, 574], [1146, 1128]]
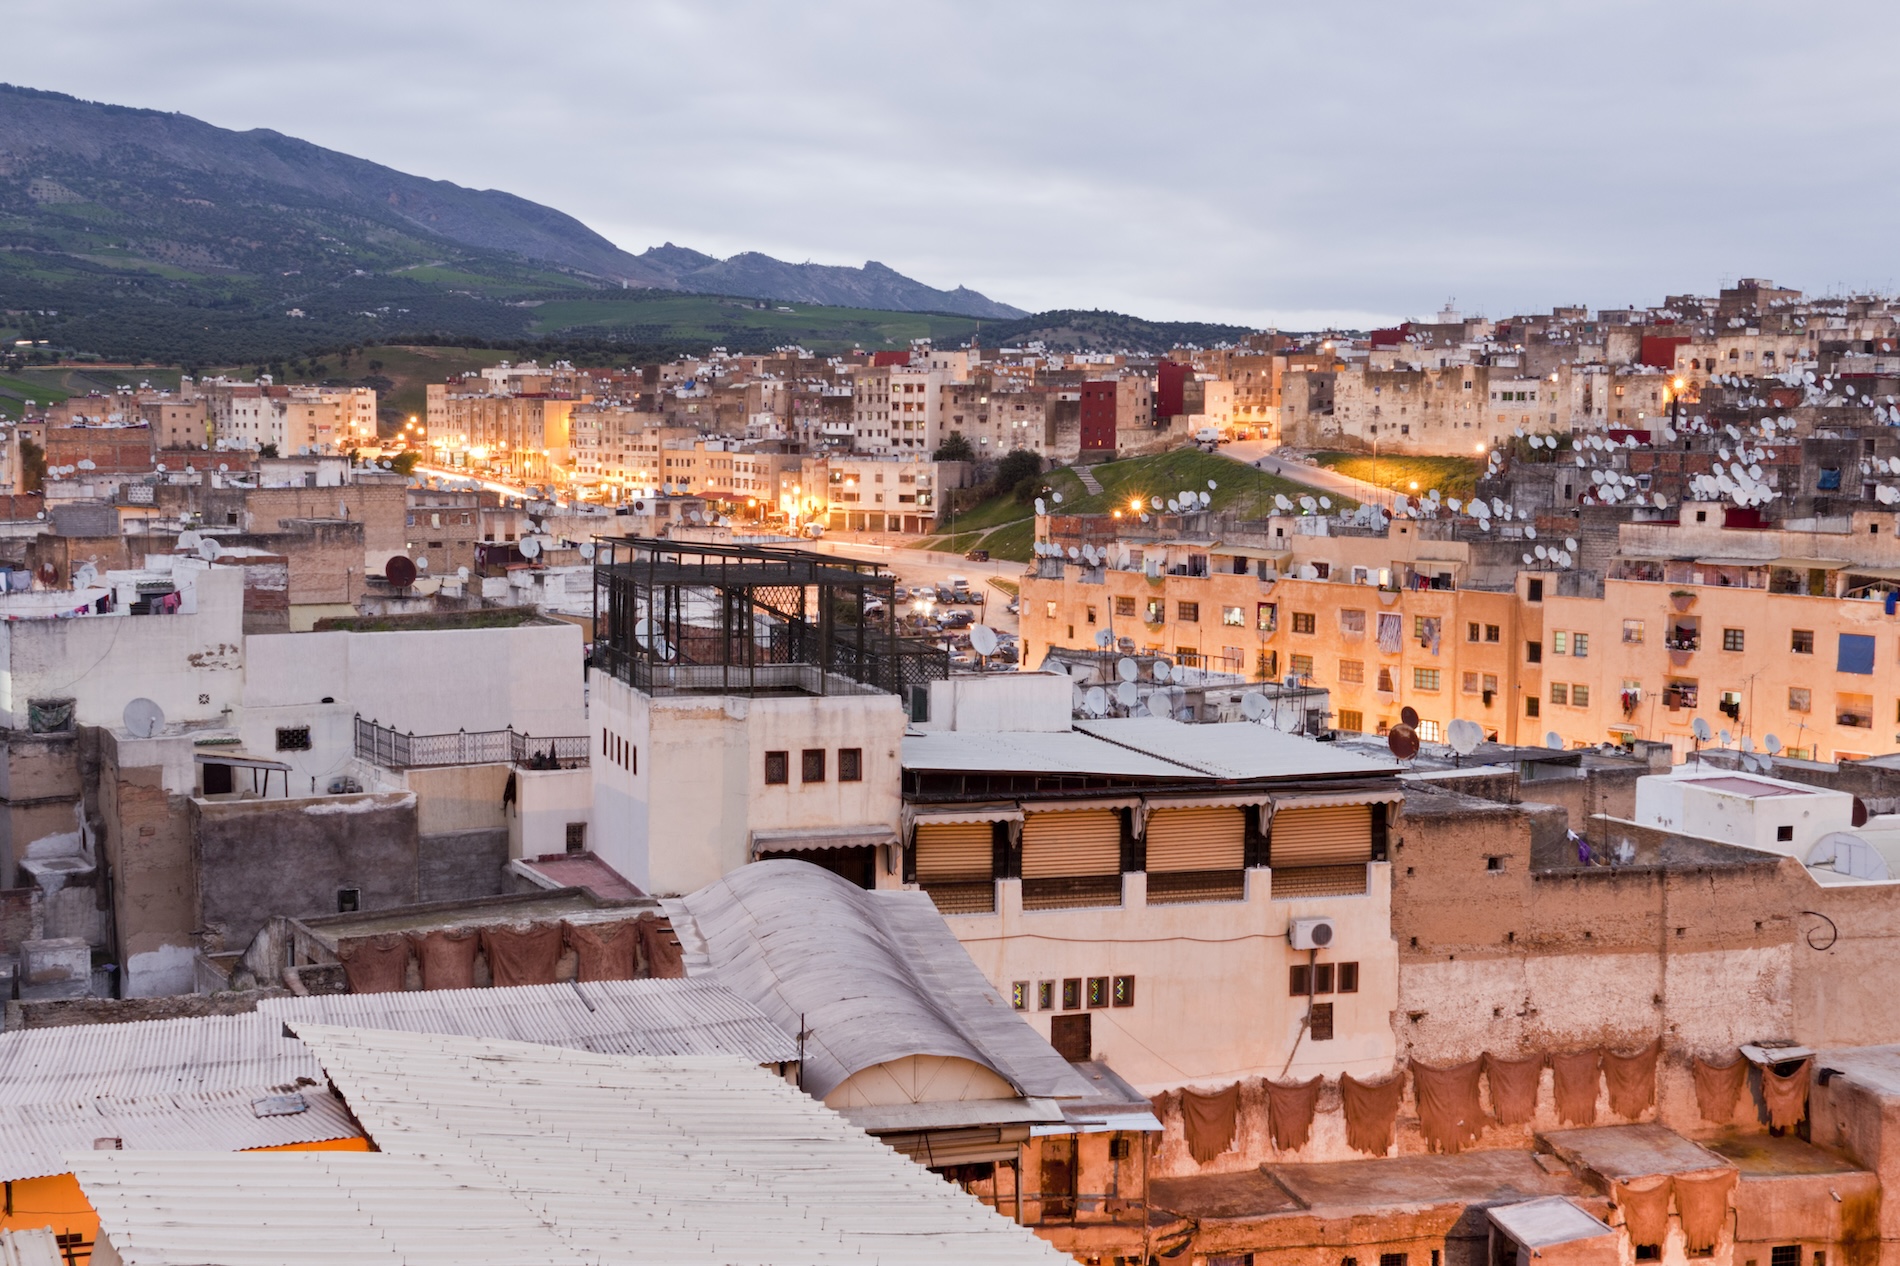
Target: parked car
[[958, 620], [1013, 605], [978, 556]]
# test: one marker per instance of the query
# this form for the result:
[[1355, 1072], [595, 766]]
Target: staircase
[[1087, 475]]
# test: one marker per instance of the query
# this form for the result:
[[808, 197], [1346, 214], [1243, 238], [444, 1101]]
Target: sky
[[1257, 163]]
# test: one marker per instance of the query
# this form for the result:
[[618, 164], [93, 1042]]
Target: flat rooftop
[[1632, 1151], [1764, 1156], [1483, 1177]]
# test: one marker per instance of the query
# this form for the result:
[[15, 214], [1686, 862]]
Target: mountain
[[1071, 330], [106, 211]]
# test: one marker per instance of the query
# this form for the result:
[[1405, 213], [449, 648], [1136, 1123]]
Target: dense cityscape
[[514, 750]]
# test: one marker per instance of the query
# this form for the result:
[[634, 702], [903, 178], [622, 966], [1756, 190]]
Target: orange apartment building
[[1756, 632]]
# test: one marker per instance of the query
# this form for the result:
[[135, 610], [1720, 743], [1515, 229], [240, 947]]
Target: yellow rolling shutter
[[953, 850], [1338, 835], [1079, 842], [1196, 839]]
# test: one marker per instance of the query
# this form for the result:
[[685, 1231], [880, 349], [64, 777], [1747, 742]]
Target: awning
[[797, 841], [1806, 564], [967, 813], [1738, 562], [1236, 800], [1874, 573], [1276, 556], [1075, 806], [1334, 799], [231, 756]]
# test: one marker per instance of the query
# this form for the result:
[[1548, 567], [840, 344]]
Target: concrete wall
[[147, 846], [191, 665], [1212, 1004], [686, 816], [434, 681], [547, 801], [258, 858]]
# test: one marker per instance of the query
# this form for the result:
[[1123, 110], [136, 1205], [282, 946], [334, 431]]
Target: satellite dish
[[1325, 503], [1530, 532], [1162, 670], [1041, 506], [1126, 694], [1103, 637], [1127, 669], [1174, 507], [1074, 552], [209, 549], [1772, 743], [1155, 503], [461, 573], [1725, 737], [85, 576], [1570, 544], [1701, 730], [1253, 707], [1403, 742], [399, 571], [1211, 485], [1057, 497], [529, 547], [983, 640], [587, 549], [1554, 741], [143, 718], [1095, 701], [422, 563], [1748, 744], [1159, 705], [1465, 736], [1408, 715]]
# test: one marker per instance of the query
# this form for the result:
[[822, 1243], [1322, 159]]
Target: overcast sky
[[1248, 162]]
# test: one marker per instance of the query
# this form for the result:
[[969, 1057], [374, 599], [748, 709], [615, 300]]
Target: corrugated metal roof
[[1231, 750], [876, 976], [617, 1017], [35, 1247], [500, 1153], [36, 1139], [198, 1055], [1008, 751]]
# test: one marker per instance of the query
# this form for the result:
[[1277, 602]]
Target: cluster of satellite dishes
[[1307, 505], [1761, 762], [1557, 557]]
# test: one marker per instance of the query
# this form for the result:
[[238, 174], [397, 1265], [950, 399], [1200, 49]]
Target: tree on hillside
[[1016, 466], [954, 449], [32, 466]]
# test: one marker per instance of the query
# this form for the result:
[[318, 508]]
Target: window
[[1233, 617], [1559, 692], [1045, 995], [349, 900], [1856, 655], [1469, 683], [1530, 705], [1125, 606], [1391, 1259], [1785, 834], [1302, 979], [1731, 639], [1492, 633], [1579, 645], [1303, 622], [1091, 615], [1049, 609], [1322, 1026], [1533, 652], [1534, 590], [1188, 612], [1301, 666], [1579, 695], [850, 764], [777, 769], [577, 837], [1267, 617], [1098, 991], [1072, 994], [1351, 721], [1473, 631], [811, 765], [1633, 632], [1019, 995], [1424, 679], [1431, 731], [1352, 671], [1157, 611], [1385, 681], [1490, 683], [1349, 978], [1123, 994], [1802, 642], [293, 738], [1785, 1255], [1560, 643], [1352, 622]]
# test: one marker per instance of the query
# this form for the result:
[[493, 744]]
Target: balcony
[[391, 749]]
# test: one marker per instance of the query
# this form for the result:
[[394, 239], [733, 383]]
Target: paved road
[[1264, 456], [927, 567]]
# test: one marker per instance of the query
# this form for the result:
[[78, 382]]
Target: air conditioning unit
[[1310, 934]]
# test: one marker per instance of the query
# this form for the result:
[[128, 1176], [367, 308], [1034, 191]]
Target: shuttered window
[[1334, 836], [953, 850], [1197, 839], [1080, 842]]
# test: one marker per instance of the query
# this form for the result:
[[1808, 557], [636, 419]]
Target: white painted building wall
[[686, 817], [191, 665], [1211, 979], [1713, 804]]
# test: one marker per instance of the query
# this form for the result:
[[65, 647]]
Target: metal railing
[[392, 749]]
